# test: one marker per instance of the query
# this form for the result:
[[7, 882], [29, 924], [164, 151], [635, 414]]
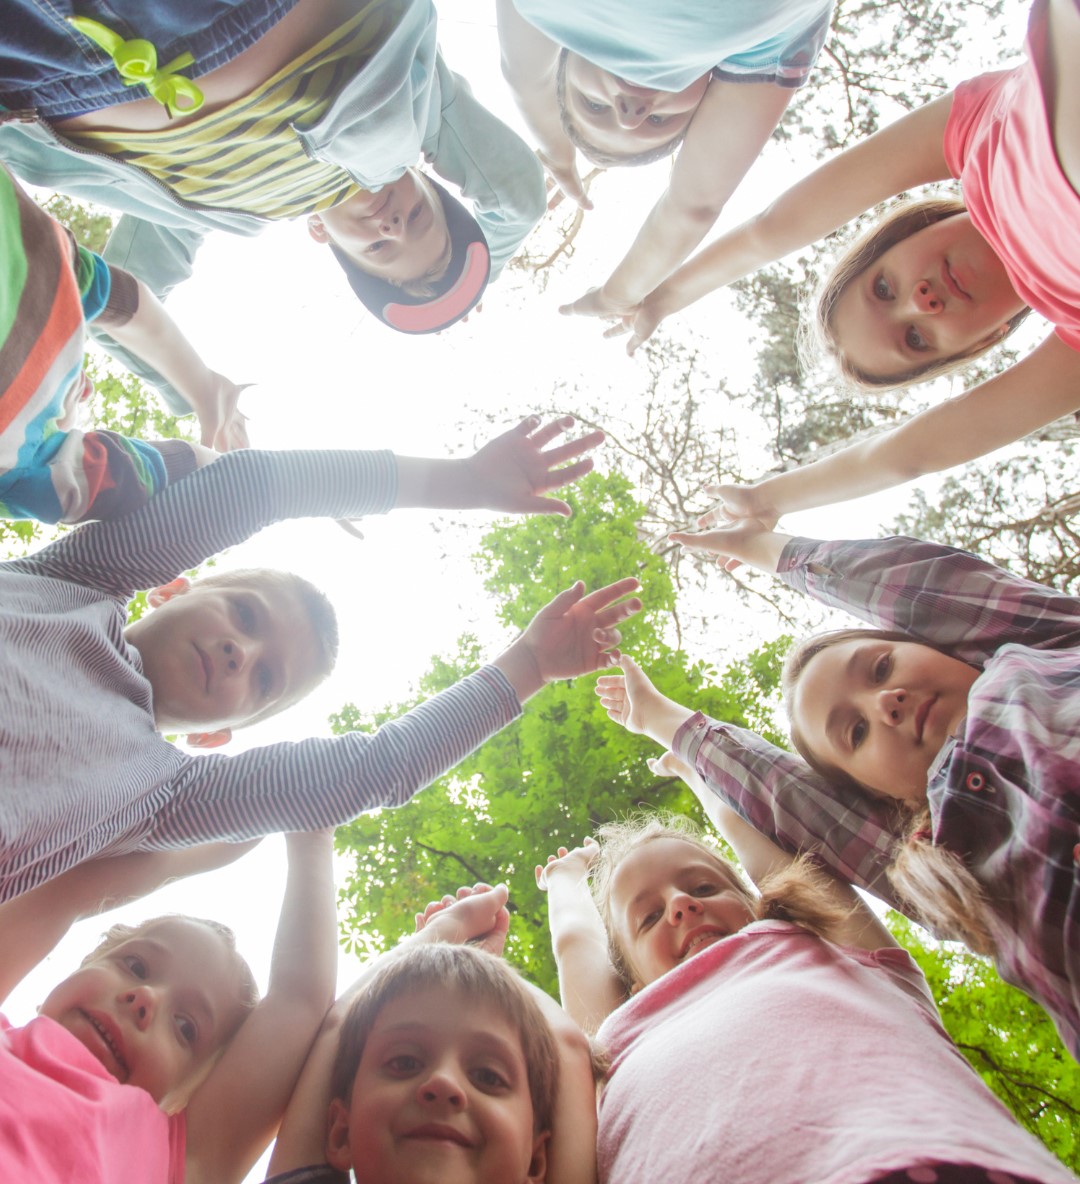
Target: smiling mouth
[[437, 1133], [207, 666], [921, 716], [952, 284], [703, 936], [112, 1042]]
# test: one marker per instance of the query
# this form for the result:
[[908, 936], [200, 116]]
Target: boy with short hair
[[84, 770], [50, 289], [442, 1064]]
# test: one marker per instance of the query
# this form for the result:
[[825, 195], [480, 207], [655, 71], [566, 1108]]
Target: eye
[[659, 120], [881, 288], [915, 340], [403, 1064], [265, 681], [187, 1029], [880, 670], [414, 213], [489, 1079], [136, 966], [594, 107], [245, 616], [706, 889], [375, 247], [649, 920], [858, 734]]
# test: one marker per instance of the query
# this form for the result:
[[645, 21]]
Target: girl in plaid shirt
[[940, 757]]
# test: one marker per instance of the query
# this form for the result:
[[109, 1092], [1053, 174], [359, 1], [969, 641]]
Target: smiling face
[[880, 711], [441, 1097], [399, 234], [935, 295], [224, 655], [669, 900], [154, 1009], [621, 119]]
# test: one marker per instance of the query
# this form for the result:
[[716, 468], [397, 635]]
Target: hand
[[564, 180], [596, 303], [733, 545], [670, 765], [512, 472], [477, 915], [641, 323], [627, 697], [577, 863], [222, 423], [739, 502]]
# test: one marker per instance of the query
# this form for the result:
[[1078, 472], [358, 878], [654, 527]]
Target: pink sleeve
[[969, 103]]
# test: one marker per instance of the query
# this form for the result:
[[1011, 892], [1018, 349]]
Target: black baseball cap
[[458, 292]]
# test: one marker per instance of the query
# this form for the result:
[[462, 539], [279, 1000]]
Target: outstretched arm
[[33, 923], [236, 1111], [904, 155], [589, 988]]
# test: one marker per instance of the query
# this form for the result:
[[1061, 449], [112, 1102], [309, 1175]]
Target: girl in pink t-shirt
[[156, 1062], [937, 282], [772, 1039]]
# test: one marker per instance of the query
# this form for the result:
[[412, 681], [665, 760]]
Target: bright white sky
[[276, 311]]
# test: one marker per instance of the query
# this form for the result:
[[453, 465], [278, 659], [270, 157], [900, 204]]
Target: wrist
[[521, 668]]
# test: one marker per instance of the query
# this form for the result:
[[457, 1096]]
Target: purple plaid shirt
[[1004, 792]]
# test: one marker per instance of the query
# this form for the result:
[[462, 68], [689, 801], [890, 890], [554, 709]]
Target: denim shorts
[[48, 67]]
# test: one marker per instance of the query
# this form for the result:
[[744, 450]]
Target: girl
[[322, 106], [936, 283], [627, 84], [964, 699], [155, 1062], [782, 1037]]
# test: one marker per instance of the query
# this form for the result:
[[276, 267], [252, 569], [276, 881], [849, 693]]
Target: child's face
[[153, 1009], [220, 656], [441, 1097], [938, 293], [881, 710], [399, 233], [620, 118], [669, 901]]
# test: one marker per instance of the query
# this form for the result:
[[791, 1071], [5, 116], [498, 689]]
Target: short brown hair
[[901, 222], [798, 893], [597, 156], [320, 614], [483, 979]]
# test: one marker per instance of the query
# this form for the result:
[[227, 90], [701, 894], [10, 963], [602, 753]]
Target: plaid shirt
[[1004, 792]]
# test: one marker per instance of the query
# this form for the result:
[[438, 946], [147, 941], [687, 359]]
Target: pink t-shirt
[[998, 142], [63, 1117], [774, 1057]]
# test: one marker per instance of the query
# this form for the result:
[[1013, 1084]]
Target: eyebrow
[[480, 1035]]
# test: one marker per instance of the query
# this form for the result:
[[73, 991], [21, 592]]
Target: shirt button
[[975, 782]]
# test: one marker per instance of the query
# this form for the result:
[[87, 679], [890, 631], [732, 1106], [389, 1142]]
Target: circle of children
[[938, 760]]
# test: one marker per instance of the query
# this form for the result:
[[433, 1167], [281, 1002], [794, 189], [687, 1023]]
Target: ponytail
[[805, 895], [938, 887]]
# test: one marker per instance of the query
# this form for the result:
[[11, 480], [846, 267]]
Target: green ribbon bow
[[136, 63]]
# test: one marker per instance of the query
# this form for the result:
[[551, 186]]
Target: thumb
[[564, 601]]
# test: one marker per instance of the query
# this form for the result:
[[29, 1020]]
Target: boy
[[442, 1066], [83, 768], [49, 289]]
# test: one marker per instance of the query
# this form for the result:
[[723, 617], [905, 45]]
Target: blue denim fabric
[[47, 66]]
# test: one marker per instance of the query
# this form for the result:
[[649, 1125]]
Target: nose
[[892, 706], [441, 1087], [681, 906], [631, 111], [236, 657], [391, 224], [142, 1004], [925, 298]]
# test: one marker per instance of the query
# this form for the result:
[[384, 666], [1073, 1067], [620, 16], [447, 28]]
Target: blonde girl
[[937, 282]]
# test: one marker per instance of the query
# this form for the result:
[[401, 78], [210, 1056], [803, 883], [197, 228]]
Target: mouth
[[921, 716], [437, 1132], [109, 1036], [207, 667], [698, 939], [952, 283]]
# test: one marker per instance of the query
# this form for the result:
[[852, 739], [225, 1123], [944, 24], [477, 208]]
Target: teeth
[[110, 1044]]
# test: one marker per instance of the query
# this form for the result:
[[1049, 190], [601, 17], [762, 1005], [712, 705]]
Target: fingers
[[571, 448], [544, 435], [597, 600], [565, 600], [617, 613]]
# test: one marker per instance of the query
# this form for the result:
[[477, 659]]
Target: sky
[[275, 311]]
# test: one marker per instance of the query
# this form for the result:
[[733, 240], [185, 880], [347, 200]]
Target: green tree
[[561, 769]]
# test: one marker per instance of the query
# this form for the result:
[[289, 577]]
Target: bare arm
[[32, 924], [236, 1111], [903, 155], [155, 339], [1039, 389], [589, 988]]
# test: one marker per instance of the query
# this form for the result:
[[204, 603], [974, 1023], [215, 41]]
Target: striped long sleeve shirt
[[84, 772], [1004, 792]]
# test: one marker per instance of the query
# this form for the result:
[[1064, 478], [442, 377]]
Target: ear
[[156, 597], [338, 1154], [209, 739], [317, 229], [538, 1164]]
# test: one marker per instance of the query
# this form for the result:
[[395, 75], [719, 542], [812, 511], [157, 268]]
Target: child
[[934, 284], [319, 106], [52, 288], [626, 88], [442, 1065], [781, 1038], [967, 703], [155, 1062], [83, 767]]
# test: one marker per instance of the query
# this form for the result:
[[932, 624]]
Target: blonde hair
[[800, 893], [818, 336]]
